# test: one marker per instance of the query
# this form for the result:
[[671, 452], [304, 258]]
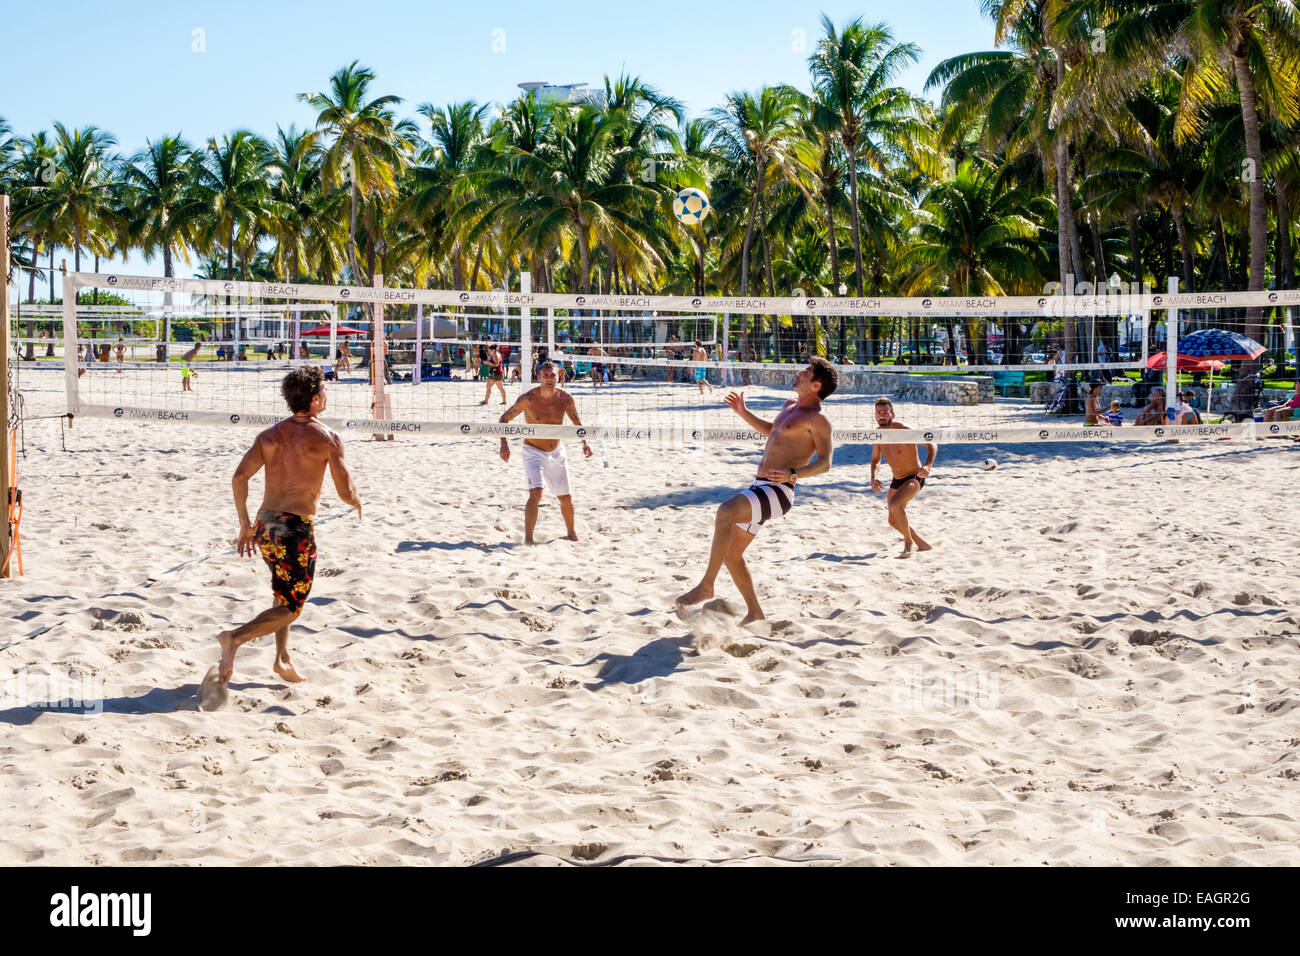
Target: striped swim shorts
[[767, 500]]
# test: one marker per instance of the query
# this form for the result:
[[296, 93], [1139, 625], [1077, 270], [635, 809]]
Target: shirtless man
[[799, 431], [908, 477], [698, 354], [296, 453], [544, 457], [120, 350], [597, 368]]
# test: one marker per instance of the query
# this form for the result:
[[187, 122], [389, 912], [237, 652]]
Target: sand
[[1099, 666]]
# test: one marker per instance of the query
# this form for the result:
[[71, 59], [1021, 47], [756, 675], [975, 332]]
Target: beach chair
[[1008, 380]]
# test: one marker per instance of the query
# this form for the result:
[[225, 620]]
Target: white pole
[[297, 331], [70, 344], [726, 346], [6, 479], [526, 334], [377, 365], [419, 343], [1171, 351]]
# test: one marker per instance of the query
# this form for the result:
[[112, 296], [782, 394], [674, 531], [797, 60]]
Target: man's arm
[[931, 450], [875, 463], [571, 409], [512, 412], [342, 475], [248, 466], [737, 402]]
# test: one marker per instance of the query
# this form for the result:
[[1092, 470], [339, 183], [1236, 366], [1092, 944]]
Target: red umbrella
[[342, 330], [1186, 363]]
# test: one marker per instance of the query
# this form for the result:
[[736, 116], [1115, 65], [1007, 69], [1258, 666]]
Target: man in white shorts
[[544, 458]]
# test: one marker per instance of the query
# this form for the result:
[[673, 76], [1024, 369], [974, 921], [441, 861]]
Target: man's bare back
[[296, 455]]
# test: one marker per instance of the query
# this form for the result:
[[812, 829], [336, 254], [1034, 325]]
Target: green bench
[[1006, 380]]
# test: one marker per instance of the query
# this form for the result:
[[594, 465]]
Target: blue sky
[[141, 69]]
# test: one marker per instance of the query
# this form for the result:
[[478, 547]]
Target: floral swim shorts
[[288, 546]]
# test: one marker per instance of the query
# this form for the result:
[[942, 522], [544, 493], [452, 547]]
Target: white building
[[563, 92]]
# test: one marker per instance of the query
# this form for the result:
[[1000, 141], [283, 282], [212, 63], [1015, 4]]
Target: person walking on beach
[[496, 374], [698, 354], [799, 432], [908, 477], [295, 453], [544, 458]]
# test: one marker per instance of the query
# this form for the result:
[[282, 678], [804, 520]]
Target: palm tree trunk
[[1258, 214], [1063, 215], [835, 252], [1286, 258], [749, 234], [851, 150], [1135, 250]]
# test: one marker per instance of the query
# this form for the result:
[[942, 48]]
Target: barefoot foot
[[751, 617], [695, 595], [284, 668], [226, 667], [572, 536]]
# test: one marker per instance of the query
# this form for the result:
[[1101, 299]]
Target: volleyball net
[[644, 369]]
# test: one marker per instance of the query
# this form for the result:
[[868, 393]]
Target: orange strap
[[15, 511]]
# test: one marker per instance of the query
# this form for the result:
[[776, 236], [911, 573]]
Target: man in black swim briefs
[[909, 477], [295, 453]]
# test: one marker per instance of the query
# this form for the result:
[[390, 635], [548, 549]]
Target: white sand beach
[[1098, 666]]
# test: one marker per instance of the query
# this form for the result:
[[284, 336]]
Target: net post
[[378, 361], [1171, 351], [525, 334], [5, 453], [419, 343]]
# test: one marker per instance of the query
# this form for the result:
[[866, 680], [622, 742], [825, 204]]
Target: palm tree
[[163, 208], [974, 237], [853, 72], [305, 216], [1252, 44], [368, 150], [231, 183], [760, 135], [79, 201]]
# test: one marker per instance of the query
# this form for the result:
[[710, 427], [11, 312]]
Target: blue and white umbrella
[[1221, 345]]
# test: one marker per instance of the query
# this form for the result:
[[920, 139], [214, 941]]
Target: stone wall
[[933, 389]]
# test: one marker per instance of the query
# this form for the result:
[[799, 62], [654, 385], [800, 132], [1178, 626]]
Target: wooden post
[[6, 453]]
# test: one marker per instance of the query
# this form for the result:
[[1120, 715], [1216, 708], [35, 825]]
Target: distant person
[[1114, 416], [121, 355], [343, 363], [1153, 413], [597, 368], [1092, 405], [699, 356], [496, 375], [545, 462], [1184, 413], [1284, 411], [908, 477]]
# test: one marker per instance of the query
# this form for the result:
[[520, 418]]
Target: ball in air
[[691, 206]]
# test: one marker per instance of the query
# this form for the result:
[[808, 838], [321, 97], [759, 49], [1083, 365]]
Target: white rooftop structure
[[563, 92]]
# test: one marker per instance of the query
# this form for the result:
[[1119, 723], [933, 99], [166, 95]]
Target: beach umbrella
[[433, 328], [1186, 363], [342, 330], [1219, 344]]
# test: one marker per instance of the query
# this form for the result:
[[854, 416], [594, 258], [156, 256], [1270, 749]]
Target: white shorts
[[767, 500], [554, 465]]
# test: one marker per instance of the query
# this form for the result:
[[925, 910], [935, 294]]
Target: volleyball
[[990, 464], [691, 205]]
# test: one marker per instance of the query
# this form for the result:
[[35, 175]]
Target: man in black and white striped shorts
[[799, 432]]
